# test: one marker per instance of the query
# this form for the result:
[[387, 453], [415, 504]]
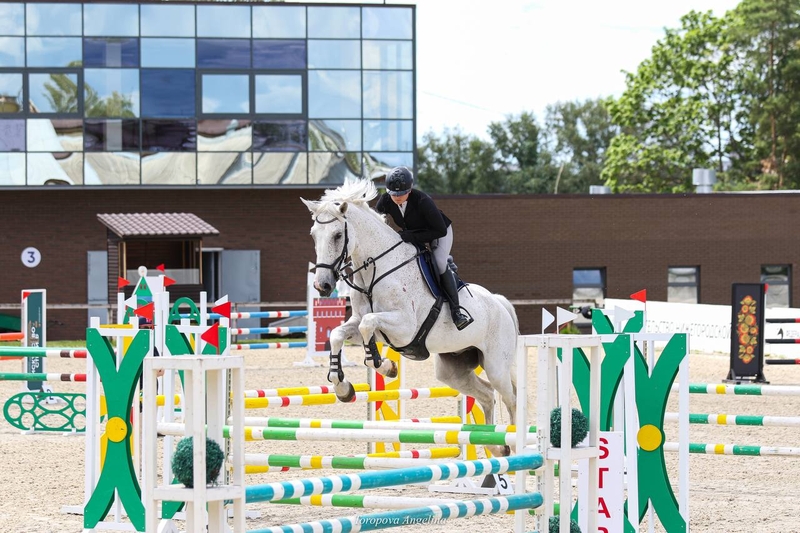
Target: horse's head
[[330, 241]]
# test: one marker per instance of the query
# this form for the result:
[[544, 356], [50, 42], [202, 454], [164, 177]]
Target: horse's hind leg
[[458, 371]]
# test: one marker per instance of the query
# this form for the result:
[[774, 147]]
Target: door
[[240, 279], [97, 284]]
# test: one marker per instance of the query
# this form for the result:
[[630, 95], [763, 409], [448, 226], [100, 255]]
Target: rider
[[422, 223]]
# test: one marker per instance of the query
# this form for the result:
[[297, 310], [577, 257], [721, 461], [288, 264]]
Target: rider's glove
[[407, 236]]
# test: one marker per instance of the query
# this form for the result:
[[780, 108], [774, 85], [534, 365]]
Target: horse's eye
[[337, 236]]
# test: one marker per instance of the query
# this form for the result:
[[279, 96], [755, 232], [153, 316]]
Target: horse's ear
[[311, 205], [343, 208]]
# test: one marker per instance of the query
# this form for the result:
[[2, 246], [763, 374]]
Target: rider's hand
[[407, 236]]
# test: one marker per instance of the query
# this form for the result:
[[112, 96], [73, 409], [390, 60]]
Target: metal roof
[[157, 224]]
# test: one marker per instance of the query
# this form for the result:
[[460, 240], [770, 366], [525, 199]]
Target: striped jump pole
[[376, 424], [427, 453], [299, 391], [366, 501], [735, 449], [419, 515], [254, 461], [261, 314], [50, 376], [367, 396], [482, 438], [742, 390], [782, 320], [67, 353], [13, 336], [782, 361], [782, 341], [272, 330], [737, 420], [268, 345], [402, 476]]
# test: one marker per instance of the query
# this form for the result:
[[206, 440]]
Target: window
[[223, 53], [387, 23], [279, 94], [12, 52], [683, 285], [334, 54], [10, 93], [388, 55], [53, 93], [12, 17], [779, 279], [283, 54], [588, 285], [224, 93], [111, 20], [334, 22], [111, 52], [53, 19], [223, 21], [283, 22], [388, 94], [54, 51], [168, 93], [334, 94], [167, 20], [111, 92]]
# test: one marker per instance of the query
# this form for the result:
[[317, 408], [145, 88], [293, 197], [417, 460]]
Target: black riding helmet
[[399, 181]]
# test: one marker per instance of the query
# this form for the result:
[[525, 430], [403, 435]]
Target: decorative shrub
[[555, 522], [580, 427], [183, 461]]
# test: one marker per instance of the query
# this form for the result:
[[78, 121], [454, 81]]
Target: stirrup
[[461, 318]]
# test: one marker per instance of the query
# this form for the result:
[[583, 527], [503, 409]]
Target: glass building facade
[[183, 94]]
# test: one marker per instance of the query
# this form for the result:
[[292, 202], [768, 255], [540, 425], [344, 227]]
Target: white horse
[[391, 301]]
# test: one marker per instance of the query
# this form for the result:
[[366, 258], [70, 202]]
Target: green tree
[[62, 94], [115, 105], [582, 132], [766, 34], [456, 163], [679, 111]]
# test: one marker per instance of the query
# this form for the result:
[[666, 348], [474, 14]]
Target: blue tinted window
[[10, 93], [111, 52], [280, 136], [169, 135], [388, 94], [334, 22], [387, 23], [334, 54], [168, 53], [223, 53], [282, 54], [168, 93], [53, 93], [111, 93], [388, 55], [54, 51], [223, 21], [279, 94], [286, 22], [224, 93], [588, 276], [335, 135], [11, 19], [12, 135], [12, 51], [388, 135], [111, 135], [334, 94], [160, 20], [111, 20], [53, 19]]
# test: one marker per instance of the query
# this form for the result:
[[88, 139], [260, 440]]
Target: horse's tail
[[511, 311]]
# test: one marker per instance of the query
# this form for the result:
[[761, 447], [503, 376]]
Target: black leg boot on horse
[[383, 366], [450, 287]]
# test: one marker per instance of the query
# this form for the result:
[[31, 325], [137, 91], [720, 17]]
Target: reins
[[342, 263]]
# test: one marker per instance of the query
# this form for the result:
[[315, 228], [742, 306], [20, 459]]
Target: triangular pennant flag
[[640, 296], [122, 282], [211, 336], [622, 314], [222, 300], [223, 309], [25, 294], [564, 316], [766, 288], [547, 319], [146, 311], [168, 281], [131, 302], [161, 267]]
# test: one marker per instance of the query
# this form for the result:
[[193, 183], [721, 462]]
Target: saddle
[[416, 350]]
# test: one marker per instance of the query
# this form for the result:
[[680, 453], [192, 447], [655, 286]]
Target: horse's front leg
[[393, 322], [349, 330]]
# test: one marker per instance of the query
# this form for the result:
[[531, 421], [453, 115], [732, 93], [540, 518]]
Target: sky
[[479, 61]]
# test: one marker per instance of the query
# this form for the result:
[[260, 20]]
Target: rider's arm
[[382, 204], [434, 222]]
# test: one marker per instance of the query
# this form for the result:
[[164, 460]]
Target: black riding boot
[[448, 280]]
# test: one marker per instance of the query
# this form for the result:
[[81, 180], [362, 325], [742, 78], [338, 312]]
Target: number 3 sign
[[31, 257]]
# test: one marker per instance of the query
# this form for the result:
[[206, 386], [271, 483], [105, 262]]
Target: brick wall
[[524, 247]]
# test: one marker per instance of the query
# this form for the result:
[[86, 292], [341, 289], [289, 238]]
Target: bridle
[[343, 263]]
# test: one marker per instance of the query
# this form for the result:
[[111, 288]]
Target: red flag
[[161, 267], [25, 294], [145, 311], [211, 336], [168, 281], [222, 309], [640, 296], [122, 282], [766, 288]]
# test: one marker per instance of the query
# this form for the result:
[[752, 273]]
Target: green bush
[[183, 461], [580, 427], [555, 522]]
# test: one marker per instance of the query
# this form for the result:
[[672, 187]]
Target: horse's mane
[[353, 190]]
